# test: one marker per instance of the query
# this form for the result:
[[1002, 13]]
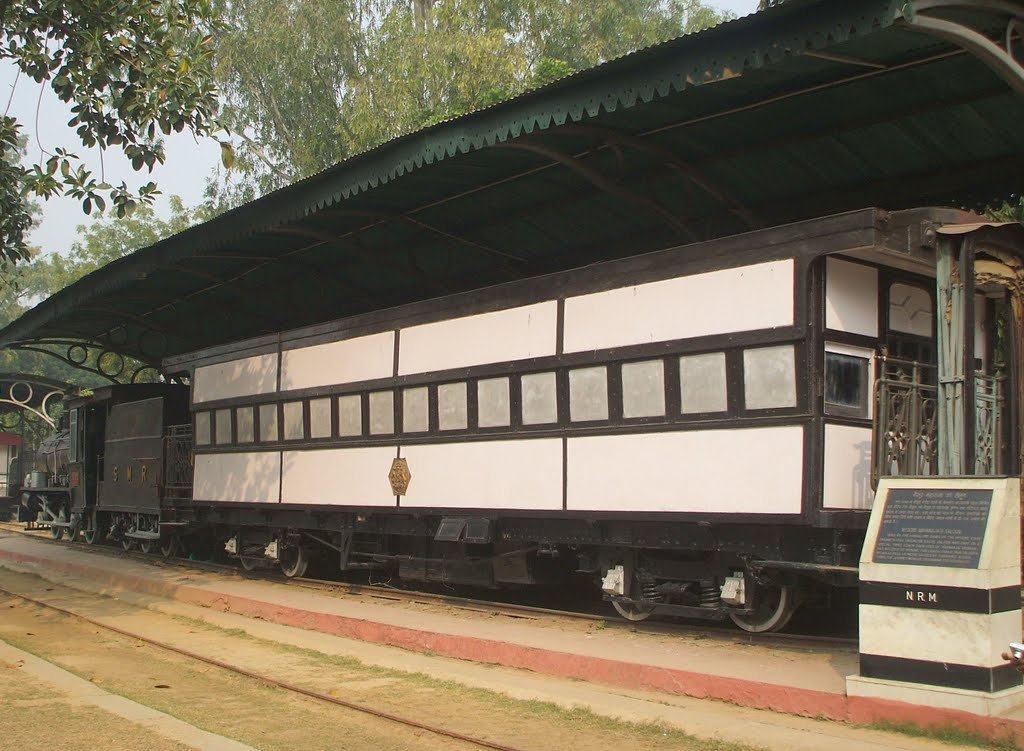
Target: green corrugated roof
[[808, 108]]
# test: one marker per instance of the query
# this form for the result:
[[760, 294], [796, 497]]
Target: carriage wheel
[[775, 606], [294, 561]]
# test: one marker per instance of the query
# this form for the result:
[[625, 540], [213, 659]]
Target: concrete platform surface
[[799, 681]]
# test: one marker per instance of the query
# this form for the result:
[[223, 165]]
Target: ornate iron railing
[[178, 462], [905, 423], [905, 420], [989, 398]]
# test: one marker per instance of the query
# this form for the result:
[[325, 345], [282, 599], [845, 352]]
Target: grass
[[947, 734], [542, 710]]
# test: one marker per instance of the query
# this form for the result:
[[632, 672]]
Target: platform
[[797, 680]]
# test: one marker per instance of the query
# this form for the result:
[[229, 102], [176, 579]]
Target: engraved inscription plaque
[[933, 527]]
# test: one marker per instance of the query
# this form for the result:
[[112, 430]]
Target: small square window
[[540, 398], [294, 428], [643, 389], [268, 423], [320, 418], [415, 410], [223, 417], [350, 415], [846, 384], [451, 406], [588, 394], [702, 383], [382, 412], [769, 377], [202, 428], [492, 399], [244, 424]]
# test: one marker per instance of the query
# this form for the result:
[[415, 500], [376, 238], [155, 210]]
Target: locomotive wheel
[[71, 532], [169, 546], [56, 532], [294, 561], [147, 546], [93, 532], [128, 543], [775, 606]]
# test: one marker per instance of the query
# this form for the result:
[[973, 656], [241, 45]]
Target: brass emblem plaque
[[399, 476]]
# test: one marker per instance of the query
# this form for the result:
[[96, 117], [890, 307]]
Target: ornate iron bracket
[[26, 394], [90, 357], [999, 53]]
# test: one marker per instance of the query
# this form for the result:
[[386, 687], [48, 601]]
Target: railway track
[[267, 680], [383, 592]]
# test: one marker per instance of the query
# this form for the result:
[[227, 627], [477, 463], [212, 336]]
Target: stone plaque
[[933, 527]]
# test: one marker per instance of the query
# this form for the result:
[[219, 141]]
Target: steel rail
[[267, 680], [516, 610]]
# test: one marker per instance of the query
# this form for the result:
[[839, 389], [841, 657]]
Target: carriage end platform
[[795, 678]]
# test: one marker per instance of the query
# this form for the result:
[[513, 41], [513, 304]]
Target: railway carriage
[[696, 431]]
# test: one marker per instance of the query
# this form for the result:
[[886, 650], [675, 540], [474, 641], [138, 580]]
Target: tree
[[308, 84], [130, 69], [100, 242]]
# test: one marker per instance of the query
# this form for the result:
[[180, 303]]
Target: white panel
[[691, 471], [248, 377], [851, 297], [347, 361], [350, 477], [252, 477], [524, 474], [697, 305], [847, 468], [952, 637], [513, 334]]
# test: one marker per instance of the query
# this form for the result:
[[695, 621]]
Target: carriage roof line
[[806, 109]]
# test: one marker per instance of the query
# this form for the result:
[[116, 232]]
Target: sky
[[184, 174]]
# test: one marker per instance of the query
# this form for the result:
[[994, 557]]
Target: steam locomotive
[[696, 431]]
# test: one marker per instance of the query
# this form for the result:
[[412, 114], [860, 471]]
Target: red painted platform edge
[[744, 692]]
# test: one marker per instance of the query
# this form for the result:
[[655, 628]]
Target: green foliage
[[308, 83], [100, 242], [132, 71], [1008, 212]]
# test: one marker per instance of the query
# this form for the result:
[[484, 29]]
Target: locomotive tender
[[696, 430]]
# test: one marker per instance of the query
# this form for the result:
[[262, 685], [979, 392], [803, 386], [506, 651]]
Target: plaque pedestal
[[940, 594]]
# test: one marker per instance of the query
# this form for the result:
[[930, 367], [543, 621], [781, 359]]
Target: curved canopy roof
[[808, 108]]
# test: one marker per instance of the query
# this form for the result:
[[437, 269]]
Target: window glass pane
[[643, 389], [588, 394], [268, 422], [202, 428], [382, 412], [415, 410], [769, 377], [846, 384], [493, 402], [350, 415], [540, 398], [243, 424], [320, 418], [293, 427], [702, 383], [451, 406], [910, 310], [223, 417]]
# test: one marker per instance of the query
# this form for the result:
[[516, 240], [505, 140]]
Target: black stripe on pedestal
[[930, 597], [945, 674]]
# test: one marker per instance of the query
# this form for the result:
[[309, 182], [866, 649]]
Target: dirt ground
[[266, 717]]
